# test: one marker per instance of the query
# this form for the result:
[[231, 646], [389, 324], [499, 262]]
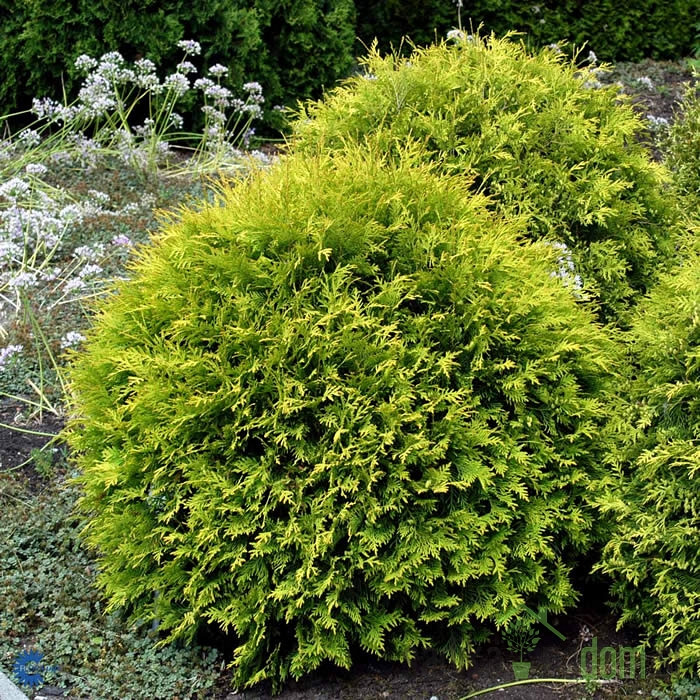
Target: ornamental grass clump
[[654, 553], [347, 408], [538, 133]]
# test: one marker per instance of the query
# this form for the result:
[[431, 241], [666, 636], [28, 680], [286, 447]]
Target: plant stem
[[532, 680]]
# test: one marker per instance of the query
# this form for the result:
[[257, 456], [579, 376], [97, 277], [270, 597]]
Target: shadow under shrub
[[654, 553], [348, 407], [538, 134]]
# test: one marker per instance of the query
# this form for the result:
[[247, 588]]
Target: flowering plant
[[61, 246]]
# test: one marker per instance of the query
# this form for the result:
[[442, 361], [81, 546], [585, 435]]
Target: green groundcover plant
[[654, 553], [538, 133], [48, 603], [346, 408]]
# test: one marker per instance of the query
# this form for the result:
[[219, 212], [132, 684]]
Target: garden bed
[[49, 603], [92, 646]]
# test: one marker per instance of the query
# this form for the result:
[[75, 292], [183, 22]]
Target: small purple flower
[[121, 240], [190, 47], [71, 339], [7, 352]]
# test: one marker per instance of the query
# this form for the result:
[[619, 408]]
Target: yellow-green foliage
[[347, 407], [683, 147], [535, 133], [654, 554]]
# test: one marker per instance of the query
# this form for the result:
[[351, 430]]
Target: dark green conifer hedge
[[534, 131], [347, 408], [616, 31], [293, 49]]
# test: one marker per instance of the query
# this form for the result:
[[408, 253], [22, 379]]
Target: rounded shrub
[[537, 133], [346, 408], [654, 553]]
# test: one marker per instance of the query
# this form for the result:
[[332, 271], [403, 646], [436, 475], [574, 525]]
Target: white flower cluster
[[71, 339], [186, 67], [37, 169], [218, 71], [91, 253], [96, 98], [7, 352], [566, 271], [14, 189], [177, 83], [191, 48], [46, 108], [657, 123], [29, 138]]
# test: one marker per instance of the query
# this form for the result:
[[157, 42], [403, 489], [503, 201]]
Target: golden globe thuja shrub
[[537, 133], [347, 407], [653, 555]]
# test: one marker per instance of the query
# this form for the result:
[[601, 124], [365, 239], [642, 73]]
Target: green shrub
[[533, 133], [629, 32], [292, 49], [654, 555], [682, 146], [347, 407]]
